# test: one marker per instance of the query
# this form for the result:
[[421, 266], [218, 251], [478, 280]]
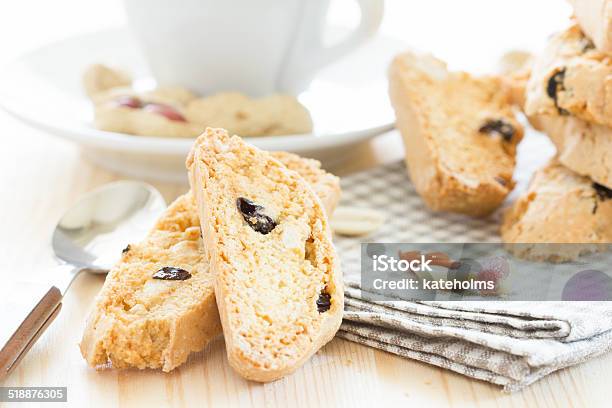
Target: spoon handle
[[29, 331]]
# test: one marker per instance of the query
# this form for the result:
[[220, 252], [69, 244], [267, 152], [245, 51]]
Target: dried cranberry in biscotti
[[555, 84], [500, 127], [324, 302], [603, 192], [254, 216], [172, 273]]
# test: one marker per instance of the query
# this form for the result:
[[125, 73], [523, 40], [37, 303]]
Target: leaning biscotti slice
[[571, 77], [559, 207], [124, 334], [157, 304], [277, 276], [460, 134], [595, 19]]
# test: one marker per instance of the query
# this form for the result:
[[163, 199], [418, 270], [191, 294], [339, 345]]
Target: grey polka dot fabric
[[511, 344]]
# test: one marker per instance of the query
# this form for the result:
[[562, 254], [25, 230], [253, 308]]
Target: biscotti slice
[[571, 77], [184, 315], [325, 185], [559, 207], [157, 304], [583, 147], [277, 276], [595, 19], [460, 134]]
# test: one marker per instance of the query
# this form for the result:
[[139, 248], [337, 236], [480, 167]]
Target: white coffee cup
[[253, 46]]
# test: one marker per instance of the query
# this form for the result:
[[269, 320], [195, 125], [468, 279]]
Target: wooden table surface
[[42, 175]]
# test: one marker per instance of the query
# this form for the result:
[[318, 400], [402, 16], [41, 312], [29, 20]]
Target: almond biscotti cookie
[[157, 304], [140, 321], [460, 134], [559, 207], [325, 185], [277, 276], [571, 77], [583, 147], [595, 19]]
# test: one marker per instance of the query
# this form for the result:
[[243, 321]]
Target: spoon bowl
[[93, 232]]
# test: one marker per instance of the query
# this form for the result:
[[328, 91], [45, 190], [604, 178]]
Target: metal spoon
[[89, 237]]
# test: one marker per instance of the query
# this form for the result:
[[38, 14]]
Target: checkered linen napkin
[[511, 344]]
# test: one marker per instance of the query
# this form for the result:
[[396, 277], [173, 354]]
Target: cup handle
[[371, 16], [309, 54]]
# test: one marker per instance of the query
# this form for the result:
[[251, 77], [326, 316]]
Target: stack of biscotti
[[460, 134], [158, 304], [267, 239], [566, 92]]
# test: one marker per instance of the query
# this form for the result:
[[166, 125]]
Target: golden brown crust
[[571, 77], [453, 165], [558, 207]]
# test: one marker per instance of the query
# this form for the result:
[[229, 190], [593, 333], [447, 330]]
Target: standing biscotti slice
[[459, 132], [277, 276], [325, 185], [559, 207], [595, 19], [571, 77]]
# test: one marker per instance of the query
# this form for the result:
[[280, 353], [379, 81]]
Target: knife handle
[[36, 322]]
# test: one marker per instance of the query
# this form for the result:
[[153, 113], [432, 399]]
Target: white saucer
[[348, 102]]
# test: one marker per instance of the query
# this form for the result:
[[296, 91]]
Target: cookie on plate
[[460, 134], [99, 78], [277, 275], [595, 19], [559, 207], [157, 113], [140, 321], [239, 114], [571, 77]]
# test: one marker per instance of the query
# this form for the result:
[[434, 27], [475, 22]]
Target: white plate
[[348, 102]]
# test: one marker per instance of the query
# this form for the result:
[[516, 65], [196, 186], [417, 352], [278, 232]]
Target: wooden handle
[[29, 331]]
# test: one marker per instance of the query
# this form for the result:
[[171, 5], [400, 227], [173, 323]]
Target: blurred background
[[469, 34]]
